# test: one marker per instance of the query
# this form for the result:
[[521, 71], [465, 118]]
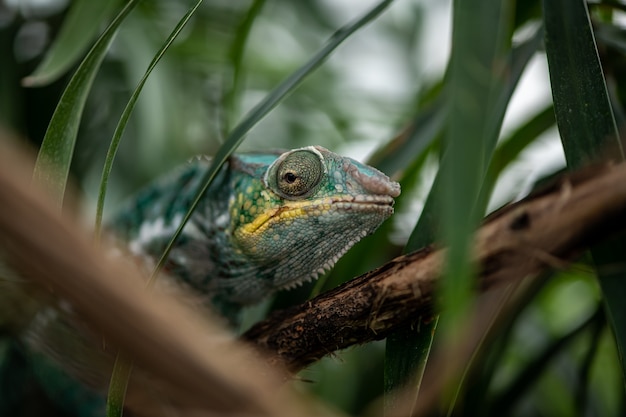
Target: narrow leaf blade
[[55, 155], [583, 111], [587, 127], [475, 70], [121, 126], [122, 367], [78, 30]]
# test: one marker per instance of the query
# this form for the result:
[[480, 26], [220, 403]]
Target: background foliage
[[427, 84]]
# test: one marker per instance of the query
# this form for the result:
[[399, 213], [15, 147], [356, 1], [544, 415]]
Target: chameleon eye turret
[[296, 174]]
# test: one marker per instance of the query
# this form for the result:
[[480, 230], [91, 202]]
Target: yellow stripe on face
[[258, 222], [292, 211], [265, 220]]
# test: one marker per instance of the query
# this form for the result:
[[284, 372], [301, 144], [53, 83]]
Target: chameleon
[[268, 222]]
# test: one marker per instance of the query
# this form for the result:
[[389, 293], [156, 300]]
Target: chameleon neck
[[203, 256]]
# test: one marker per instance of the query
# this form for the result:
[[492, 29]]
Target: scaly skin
[[268, 222], [254, 232]]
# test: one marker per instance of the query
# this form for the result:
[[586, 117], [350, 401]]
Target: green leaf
[[79, 28], [55, 155], [587, 128], [120, 377], [424, 232], [476, 80], [121, 126], [236, 58], [123, 366], [516, 63], [263, 108], [583, 111], [406, 355], [477, 94]]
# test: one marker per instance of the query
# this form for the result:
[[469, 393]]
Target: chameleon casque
[[269, 221]]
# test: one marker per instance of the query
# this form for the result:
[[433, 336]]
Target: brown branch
[[524, 239]]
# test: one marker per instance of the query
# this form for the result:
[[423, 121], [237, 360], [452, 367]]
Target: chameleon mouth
[[365, 203], [343, 203]]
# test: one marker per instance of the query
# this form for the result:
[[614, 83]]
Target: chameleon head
[[310, 207]]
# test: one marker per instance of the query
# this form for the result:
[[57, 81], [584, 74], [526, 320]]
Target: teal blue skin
[[268, 222], [248, 238]]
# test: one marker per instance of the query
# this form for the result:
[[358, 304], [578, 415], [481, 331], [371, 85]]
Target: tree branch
[[541, 232]]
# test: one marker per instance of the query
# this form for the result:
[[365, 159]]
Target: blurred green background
[[394, 94]]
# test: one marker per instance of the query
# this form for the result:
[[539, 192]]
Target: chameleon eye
[[299, 173]]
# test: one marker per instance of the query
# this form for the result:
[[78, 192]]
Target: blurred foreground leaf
[[79, 28], [123, 366], [476, 107], [55, 155]]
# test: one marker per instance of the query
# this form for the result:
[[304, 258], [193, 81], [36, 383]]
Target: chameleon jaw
[[326, 267], [295, 209], [289, 230]]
